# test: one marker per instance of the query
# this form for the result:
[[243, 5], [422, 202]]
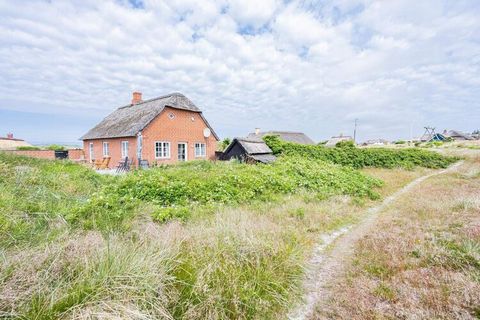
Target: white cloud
[[284, 66]]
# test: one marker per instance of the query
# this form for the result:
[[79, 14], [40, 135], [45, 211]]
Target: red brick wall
[[76, 154], [42, 154], [179, 129], [115, 146]]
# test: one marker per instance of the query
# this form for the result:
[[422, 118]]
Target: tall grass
[[36, 195], [423, 260], [244, 260]]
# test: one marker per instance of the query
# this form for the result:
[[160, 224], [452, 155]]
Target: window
[[200, 150], [106, 149], [90, 151], [124, 149], [162, 150]]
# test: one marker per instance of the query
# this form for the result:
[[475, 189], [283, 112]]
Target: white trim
[[90, 151], [186, 150], [122, 149], [106, 151], [168, 151], [200, 155]]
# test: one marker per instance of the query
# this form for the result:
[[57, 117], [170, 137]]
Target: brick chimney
[[10, 135], [137, 97]]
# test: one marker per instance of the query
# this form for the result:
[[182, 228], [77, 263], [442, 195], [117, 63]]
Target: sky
[[310, 66]]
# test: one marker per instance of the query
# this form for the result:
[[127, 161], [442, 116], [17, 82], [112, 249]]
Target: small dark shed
[[248, 150]]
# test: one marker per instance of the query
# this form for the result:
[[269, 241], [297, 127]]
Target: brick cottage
[[166, 129]]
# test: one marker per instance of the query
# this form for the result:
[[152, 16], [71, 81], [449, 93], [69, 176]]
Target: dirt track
[[325, 265]]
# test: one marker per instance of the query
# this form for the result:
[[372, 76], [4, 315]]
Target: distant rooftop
[[289, 136]]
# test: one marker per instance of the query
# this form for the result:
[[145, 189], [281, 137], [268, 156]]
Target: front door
[[182, 151]]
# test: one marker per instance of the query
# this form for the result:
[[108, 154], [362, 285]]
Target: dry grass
[[423, 260], [240, 263]]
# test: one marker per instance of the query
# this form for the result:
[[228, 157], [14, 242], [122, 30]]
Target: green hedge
[[349, 155]]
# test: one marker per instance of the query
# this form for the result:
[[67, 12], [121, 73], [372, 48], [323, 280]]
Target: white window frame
[[198, 147], [90, 151], [165, 150], [106, 149], [124, 149]]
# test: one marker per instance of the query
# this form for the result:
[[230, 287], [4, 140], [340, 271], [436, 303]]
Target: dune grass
[[242, 260], [423, 260]]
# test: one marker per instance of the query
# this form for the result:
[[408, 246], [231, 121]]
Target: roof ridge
[[157, 98], [250, 140]]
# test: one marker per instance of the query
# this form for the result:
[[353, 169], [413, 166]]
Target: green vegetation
[[50, 147], [349, 155], [26, 148], [55, 147], [224, 144], [239, 263], [76, 244], [400, 142], [178, 191], [35, 192]]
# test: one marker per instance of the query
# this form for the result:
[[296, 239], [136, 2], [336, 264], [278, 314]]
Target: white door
[[182, 151]]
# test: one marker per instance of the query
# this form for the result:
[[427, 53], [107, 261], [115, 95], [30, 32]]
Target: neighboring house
[[166, 129], [11, 143], [248, 150], [457, 135], [332, 142], [297, 137]]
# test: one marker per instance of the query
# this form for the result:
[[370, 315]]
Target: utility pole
[[355, 131]]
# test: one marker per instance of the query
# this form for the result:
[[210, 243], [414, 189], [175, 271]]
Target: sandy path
[[326, 265]]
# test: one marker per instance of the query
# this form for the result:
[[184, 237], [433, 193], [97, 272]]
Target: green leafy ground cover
[[35, 192], [348, 155]]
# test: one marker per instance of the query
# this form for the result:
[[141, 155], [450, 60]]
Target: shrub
[[26, 148], [225, 143], [345, 144], [55, 147], [361, 157], [175, 189], [400, 142]]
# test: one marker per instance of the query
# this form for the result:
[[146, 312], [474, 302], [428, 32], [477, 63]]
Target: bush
[[400, 142], [175, 189], [345, 144], [361, 157], [26, 148], [55, 147], [225, 143]]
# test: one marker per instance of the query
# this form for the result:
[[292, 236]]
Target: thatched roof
[[297, 137], [255, 149], [129, 120], [264, 158], [12, 143], [455, 134], [254, 146]]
